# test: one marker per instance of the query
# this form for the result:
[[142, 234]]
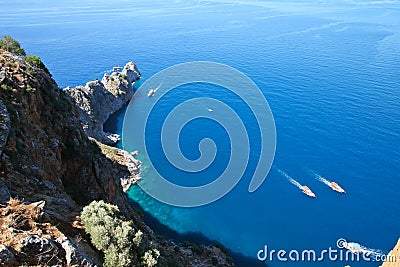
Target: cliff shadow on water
[[193, 237], [115, 121], [114, 124]]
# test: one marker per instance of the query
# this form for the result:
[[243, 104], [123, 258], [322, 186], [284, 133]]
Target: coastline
[[101, 126], [99, 99], [52, 171], [112, 125]]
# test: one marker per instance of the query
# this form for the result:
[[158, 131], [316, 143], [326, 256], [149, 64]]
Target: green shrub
[[36, 61], [9, 44], [150, 257], [30, 89], [115, 237], [6, 87]]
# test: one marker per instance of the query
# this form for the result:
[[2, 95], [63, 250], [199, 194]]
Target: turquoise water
[[329, 70]]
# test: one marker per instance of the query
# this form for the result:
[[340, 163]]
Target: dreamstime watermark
[[344, 252], [137, 118]]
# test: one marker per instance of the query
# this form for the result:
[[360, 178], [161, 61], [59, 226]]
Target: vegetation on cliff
[[50, 169], [7, 43], [37, 62], [121, 244]]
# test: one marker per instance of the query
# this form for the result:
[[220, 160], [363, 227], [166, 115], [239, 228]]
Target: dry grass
[[112, 153], [19, 220]]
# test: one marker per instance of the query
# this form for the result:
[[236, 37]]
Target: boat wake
[[322, 179], [290, 179], [374, 254], [332, 185], [319, 177], [158, 87]]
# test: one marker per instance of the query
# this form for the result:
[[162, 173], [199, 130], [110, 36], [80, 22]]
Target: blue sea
[[330, 71]]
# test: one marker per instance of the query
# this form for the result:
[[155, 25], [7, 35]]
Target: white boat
[[353, 247], [336, 187], [307, 191], [151, 92]]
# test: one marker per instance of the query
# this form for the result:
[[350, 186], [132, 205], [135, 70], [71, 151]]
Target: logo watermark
[[344, 252], [137, 118]]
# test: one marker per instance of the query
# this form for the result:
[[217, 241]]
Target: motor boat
[[307, 191], [353, 247], [336, 187], [151, 92]]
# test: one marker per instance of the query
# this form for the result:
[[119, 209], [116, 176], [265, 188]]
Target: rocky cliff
[[97, 100], [393, 258], [50, 169]]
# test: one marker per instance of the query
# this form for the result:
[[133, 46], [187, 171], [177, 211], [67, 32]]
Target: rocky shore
[[97, 100], [50, 170]]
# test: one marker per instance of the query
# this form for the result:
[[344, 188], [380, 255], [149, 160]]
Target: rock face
[[4, 125], [46, 149], [31, 241], [125, 159], [6, 256], [393, 258], [41, 246], [50, 169], [97, 100], [75, 256]]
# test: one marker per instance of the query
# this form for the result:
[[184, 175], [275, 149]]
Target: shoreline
[[99, 99], [113, 125]]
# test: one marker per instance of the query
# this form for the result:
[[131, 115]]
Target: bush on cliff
[[9, 44], [116, 238], [37, 62]]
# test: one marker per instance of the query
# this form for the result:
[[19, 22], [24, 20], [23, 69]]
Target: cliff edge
[[97, 100], [50, 170]]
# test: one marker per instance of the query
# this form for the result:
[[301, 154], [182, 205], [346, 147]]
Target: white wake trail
[[374, 253], [322, 179], [319, 177], [290, 179]]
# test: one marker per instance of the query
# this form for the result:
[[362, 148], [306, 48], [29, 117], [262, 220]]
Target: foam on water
[[290, 179], [319, 177], [374, 254]]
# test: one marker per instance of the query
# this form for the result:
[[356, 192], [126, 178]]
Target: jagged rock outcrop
[[46, 147], [125, 159], [393, 258], [43, 247], [97, 100], [49, 169], [78, 256]]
